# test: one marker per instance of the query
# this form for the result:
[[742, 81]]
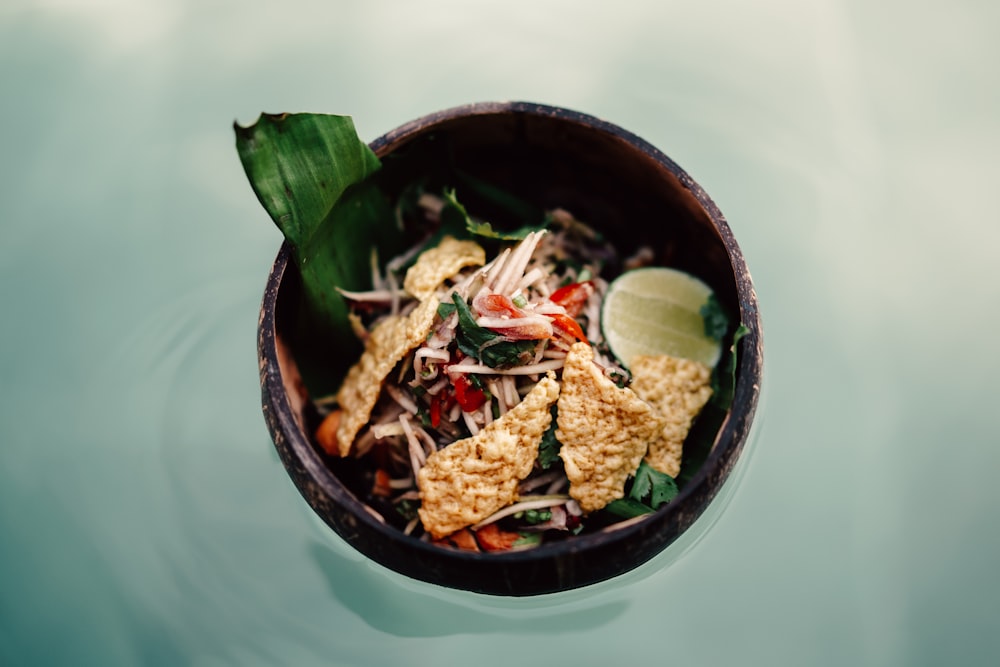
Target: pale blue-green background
[[144, 518]]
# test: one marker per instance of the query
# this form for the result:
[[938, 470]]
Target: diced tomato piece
[[573, 297], [492, 538], [569, 326], [468, 396]]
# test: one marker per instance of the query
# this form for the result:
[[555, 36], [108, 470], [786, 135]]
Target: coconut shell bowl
[[632, 193]]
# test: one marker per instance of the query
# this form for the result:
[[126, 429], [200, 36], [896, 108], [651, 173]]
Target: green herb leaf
[[627, 508], [724, 373], [455, 220], [528, 540], [548, 448], [486, 230], [501, 198], [534, 517], [445, 310], [408, 508], [715, 318], [455, 216], [652, 487]]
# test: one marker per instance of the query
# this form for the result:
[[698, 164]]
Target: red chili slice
[[435, 409], [573, 297], [469, 397], [569, 326]]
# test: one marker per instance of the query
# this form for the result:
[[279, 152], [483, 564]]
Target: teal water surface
[[144, 516]]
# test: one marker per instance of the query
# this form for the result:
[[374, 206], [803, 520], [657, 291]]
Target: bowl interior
[[629, 191]]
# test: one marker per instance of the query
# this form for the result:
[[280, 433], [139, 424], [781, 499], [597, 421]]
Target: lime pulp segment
[[654, 311]]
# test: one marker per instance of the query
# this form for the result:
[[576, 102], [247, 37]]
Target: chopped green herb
[[627, 508], [716, 320], [535, 517], [407, 508], [548, 448], [724, 373], [528, 540], [650, 489], [503, 199], [454, 217], [445, 309], [650, 483], [454, 213]]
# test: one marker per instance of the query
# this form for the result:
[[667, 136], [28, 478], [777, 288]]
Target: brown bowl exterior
[[632, 193]]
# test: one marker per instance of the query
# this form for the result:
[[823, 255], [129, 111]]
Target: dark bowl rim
[[732, 436]]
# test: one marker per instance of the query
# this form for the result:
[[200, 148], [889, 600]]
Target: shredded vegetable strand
[[402, 399], [534, 369], [417, 457], [470, 421], [530, 503], [497, 268]]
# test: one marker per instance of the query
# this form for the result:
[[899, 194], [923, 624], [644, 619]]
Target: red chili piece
[[569, 326], [468, 396], [573, 297]]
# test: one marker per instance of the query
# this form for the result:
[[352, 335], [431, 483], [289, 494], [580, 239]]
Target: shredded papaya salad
[[499, 329]]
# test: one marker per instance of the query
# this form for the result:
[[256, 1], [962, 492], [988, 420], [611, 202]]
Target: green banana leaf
[[316, 180]]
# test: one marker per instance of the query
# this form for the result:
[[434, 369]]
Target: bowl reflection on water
[[634, 195]]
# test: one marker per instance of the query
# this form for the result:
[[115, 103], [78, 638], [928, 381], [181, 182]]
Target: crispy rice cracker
[[678, 389], [604, 430], [439, 263], [472, 478], [387, 344]]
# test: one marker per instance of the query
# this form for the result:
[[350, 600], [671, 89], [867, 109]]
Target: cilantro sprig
[[650, 489]]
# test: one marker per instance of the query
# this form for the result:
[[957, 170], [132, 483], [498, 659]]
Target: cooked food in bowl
[[490, 410], [482, 365]]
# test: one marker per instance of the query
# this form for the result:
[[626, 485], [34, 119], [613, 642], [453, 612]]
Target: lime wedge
[[657, 310]]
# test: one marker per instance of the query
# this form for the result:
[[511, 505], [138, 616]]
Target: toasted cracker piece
[[678, 389], [439, 263], [388, 343], [472, 478], [604, 430]]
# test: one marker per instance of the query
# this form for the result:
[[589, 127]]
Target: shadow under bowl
[[633, 194]]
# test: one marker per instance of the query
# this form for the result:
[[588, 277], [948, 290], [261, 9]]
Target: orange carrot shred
[[326, 433], [492, 538]]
